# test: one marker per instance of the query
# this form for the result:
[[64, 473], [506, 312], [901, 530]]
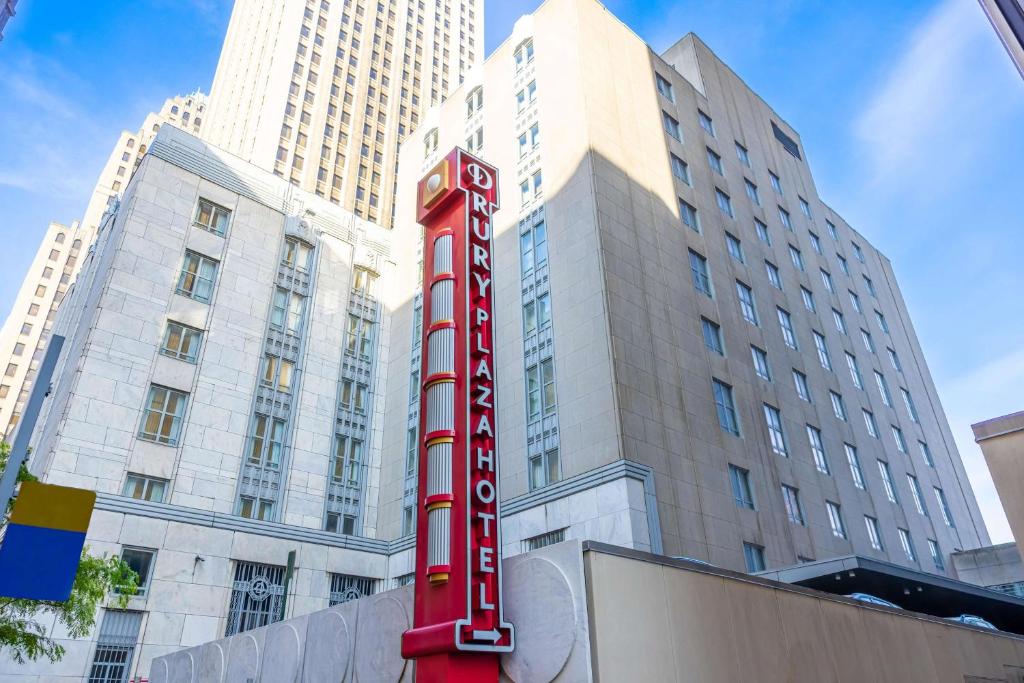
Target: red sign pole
[[458, 626]]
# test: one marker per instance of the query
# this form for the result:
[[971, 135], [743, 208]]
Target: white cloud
[[937, 107], [986, 392]]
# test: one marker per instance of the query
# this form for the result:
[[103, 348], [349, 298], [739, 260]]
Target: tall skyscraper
[[58, 258], [322, 92]]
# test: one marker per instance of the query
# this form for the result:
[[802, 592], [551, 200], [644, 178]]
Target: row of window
[[744, 498]]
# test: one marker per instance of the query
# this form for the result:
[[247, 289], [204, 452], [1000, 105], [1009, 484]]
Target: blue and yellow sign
[[43, 541]]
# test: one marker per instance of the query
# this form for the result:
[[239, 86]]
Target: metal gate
[[345, 587], [115, 647], [256, 596]]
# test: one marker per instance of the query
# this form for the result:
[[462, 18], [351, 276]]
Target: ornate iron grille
[[256, 596], [345, 587]]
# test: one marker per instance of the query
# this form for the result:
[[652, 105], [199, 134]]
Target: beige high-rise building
[[57, 261], [322, 92], [674, 298]]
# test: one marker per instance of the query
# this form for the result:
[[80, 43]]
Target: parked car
[[872, 600], [972, 620]]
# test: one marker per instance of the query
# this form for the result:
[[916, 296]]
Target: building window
[[680, 169], [475, 101], [211, 217], [671, 126], [816, 244], [197, 276], [870, 424], [712, 336], [855, 470], [526, 97], [144, 488], [296, 255], [826, 279], [706, 123], [754, 556], [162, 416], [742, 155], [808, 299], [543, 540], [897, 435], [140, 561], [430, 141], [817, 449], [869, 342], [805, 208], [115, 646], [857, 251], [873, 535], [791, 498], [747, 305], [265, 442], [353, 394], [926, 453], [915, 492], [664, 87], [752, 192], [787, 222], [840, 321], [689, 215], [364, 281], [882, 324], [788, 143], [851, 363], [773, 420], [724, 202], [523, 54], [762, 232], [830, 226], [773, 275], [936, 553], [843, 265], [181, 342], [699, 272], [776, 183], [822, 348], [800, 382], [725, 407], [345, 587], [360, 336], [533, 247], [835, 519], [908, 544], [760, 359], [256, 597], [947, 516], [855, 302], [838, 408], [544, 468], [908, 401], [796, 257], [887, 483], [786, 325], [714, 161], [277, 373], [287, 311], [741, 490]]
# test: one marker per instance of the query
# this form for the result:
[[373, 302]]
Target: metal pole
[[27, 424]]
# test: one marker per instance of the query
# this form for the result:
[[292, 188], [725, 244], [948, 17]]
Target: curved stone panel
[[328, 648], [210, 663], [181, 666], [243, 658], [282, 655], [158, 672], [545, 629], [378, 638]]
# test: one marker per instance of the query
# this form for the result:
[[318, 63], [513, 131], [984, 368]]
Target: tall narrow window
[[714, 161], [851, 363], [915, 492], [835, 519], [897, 435], [680, 169], [926, 453], [908, 401], [908, 544], [800, 383], [776, 183], [712, 336], [808, 299], [725, 407], [838, 408], [747, 306], [671, 126], [735, 247], [791, 499], [773, 275], [762, 232], [115, 646], [787, 222], [886, 474], [773, 420], [760, 359], [741, 491], [753, 555], [936, 553], [826, 279], [873, 534], [162, 416], [296, 255], [699, 271], [854, 462], [786, 325], [256, 597], [817, 449], [742, 155], [724, 202], [839, 320], [822, 348], [947, 515], [689, 216], [664, 87], [870, 424], [265, 441], [706, 123], [752, 192]]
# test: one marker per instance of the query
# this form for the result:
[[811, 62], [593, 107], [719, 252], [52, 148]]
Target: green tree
[[22, 635]]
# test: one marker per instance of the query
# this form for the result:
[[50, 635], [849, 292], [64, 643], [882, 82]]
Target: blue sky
[[910, 113]]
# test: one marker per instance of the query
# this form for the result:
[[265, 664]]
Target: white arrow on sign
[[491, 635]]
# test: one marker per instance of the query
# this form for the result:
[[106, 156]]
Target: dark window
[[787, 142]]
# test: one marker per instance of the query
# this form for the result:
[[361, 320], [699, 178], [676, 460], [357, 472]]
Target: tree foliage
[[26, 625]]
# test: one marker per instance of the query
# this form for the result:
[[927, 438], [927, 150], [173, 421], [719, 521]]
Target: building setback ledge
[[998, 426]]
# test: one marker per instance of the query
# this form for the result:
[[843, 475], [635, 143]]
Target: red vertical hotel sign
[[458, 627]]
